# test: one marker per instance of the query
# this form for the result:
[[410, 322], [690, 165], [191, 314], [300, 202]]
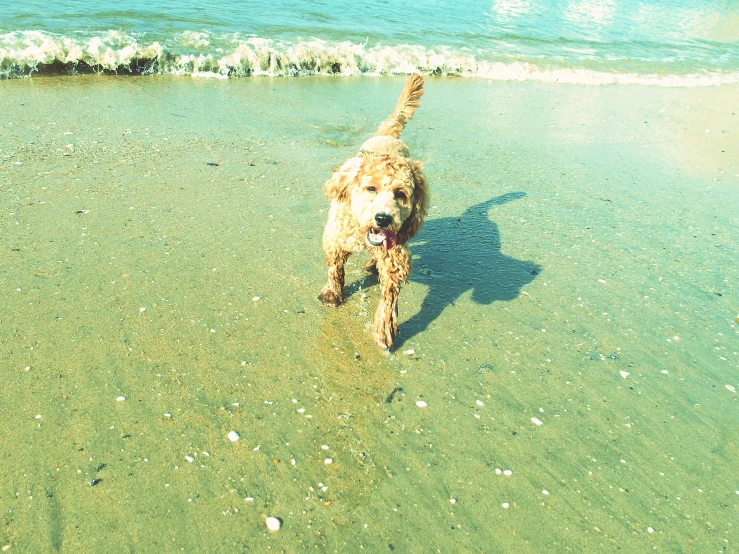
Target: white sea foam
[[197, 54]]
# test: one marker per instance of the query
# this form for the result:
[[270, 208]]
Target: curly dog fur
[[378, 202]]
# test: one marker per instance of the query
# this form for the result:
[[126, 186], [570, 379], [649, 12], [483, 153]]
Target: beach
[[570, 324]]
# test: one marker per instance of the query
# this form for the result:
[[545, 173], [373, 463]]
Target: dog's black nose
[[383, 220]]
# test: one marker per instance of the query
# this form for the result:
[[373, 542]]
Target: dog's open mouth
[[382, 237]]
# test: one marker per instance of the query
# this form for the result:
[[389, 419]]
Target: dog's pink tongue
[[390, 240]]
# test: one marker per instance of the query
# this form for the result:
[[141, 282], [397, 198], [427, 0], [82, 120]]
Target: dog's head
[[386, 195]]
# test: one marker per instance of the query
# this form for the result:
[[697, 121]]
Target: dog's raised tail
[[407, 103]]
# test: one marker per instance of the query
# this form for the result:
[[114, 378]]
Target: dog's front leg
[[332, 294], [393, 268]]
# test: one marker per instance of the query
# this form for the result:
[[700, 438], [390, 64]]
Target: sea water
[[665, 42]]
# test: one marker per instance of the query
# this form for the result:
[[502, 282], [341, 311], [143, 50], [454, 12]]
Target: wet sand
[[161, 259]]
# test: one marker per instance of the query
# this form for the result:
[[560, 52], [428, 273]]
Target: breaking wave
[[29, 53]]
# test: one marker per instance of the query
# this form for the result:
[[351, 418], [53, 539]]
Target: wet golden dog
[[378, 202]]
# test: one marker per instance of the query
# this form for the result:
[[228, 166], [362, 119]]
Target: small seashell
[[233, 436], [536, 421], [273, 524], [421, 404]]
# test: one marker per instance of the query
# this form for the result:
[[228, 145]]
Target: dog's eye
[[371, 189], [401, 196]]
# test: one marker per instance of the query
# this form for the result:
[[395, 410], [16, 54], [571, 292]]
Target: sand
[[161, 259]]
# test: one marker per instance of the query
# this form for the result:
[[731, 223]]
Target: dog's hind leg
[[332, 294], [371, 265]]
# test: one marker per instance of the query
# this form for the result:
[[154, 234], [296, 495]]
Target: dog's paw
[[330, 298], [383, 336]]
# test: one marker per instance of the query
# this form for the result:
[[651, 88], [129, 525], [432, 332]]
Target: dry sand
[[161, 244]]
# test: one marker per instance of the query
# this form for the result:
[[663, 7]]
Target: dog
[[378, 200]]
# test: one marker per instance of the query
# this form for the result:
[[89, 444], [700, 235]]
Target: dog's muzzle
[[382, 237]]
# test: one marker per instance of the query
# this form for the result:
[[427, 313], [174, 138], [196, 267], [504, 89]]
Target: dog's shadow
[[453, 255]]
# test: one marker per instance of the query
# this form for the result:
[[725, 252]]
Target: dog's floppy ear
[[338, 185], [413, 224]]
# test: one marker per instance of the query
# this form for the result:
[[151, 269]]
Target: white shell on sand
[[536, 421], [421, 404], [273, 524], [233, 436]]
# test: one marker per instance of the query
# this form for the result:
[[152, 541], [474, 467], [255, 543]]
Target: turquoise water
[[669, 43]]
